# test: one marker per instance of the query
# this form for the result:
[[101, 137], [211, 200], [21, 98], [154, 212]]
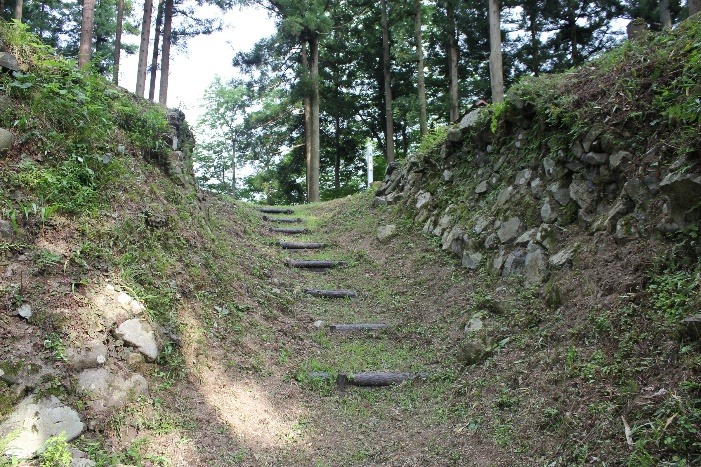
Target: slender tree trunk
[[165, 53], [118, 40], [694, 6], [496, 70], [156, 49], [86, 30], [418, 37], [573, 35], [337, 160], [337, 127], [143, 48], [307, 101], [314, 159], [453, 63], [389, 122], [665, 15], [18, 10], [535, 41], [233, 167]]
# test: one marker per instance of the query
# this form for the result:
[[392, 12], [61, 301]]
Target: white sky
[[193, 70]]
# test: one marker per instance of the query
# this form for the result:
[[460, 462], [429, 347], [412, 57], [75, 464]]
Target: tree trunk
[[389, 122], [572, 22], [665, 15], [496, 70], [165, 53], [337, 160], [453, 64], [535, 41], [694, 6], [314, 156], [143, 48], [233, 167], [86, 30], [307, 102], [118, 40], [18, 10], [423, 127], [154, 59]]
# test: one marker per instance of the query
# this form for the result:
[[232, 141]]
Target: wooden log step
[[314, 263], [379, 378], [301, 246], [276, 210], [288, 230], [331, 293], [283, 220], [357, 327], [368, 379]]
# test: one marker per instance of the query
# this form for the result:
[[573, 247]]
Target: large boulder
[[9, 62], [684, 192], [34, 421], [139, 334]]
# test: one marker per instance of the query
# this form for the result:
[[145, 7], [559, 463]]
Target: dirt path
[[266, 410]]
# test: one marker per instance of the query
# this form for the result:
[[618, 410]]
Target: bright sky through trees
[[193, 70]]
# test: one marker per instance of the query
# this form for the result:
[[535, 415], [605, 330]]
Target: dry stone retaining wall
[[502, 205]]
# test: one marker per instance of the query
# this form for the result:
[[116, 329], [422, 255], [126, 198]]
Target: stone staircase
[[357, 330]]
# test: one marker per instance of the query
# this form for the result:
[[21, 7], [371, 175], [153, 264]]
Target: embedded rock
[[7, 139], [510, 230], [515, 263], [471, 260], [422, 199], [108, 390], [583, 193], [683, 191], [385, 232], [90, 355], [35, 421], [536, 265], [139, 334], [595, 158], [563, 257], [549, 211], [620, 159], [454, 135], [482, 187], [9, 62], [25, 311]]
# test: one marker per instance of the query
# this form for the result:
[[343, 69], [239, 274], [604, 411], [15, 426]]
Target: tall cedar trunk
[[118, 40], [496, 70], [337, 128], [573, 35], [143, 48], [337, 159], [535, 56], [694, 6], [156, 49], [423, 127], [86, 30], [665, 15], [233, 167], [315, 143], [307, 101], [165, 53], [453, 63], [18, 10], [389, 122]]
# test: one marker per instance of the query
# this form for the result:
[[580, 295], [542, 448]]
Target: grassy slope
[[231, 386]]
